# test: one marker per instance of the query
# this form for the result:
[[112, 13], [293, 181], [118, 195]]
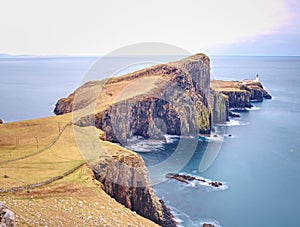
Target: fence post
[[37, 142]]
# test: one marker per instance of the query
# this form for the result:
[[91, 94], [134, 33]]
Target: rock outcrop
[[124, 177], [7, 217], [208, 225], [188, 179], [240, 94], [1, 121]]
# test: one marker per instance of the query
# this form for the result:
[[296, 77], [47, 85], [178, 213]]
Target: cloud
[[98, 27]]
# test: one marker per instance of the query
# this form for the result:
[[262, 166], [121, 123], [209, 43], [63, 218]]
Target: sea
[[258, 161]]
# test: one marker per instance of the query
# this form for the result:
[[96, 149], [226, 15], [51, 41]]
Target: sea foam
[[140, 144]]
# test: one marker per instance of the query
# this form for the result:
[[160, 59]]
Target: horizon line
[[5, 55]]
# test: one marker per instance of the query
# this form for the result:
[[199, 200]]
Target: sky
[[97, 27]]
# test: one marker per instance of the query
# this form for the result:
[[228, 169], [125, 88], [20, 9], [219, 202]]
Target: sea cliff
[[170, 98], [240, 94], [176, 98], [125, 178]]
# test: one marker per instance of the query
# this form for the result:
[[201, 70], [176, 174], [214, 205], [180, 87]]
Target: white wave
[[171, 138], [212, 138], [253, 108], [233, 122], [140, 144], [184, 219], [179, 216]]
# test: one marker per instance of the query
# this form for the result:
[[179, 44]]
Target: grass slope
[[75, 200]]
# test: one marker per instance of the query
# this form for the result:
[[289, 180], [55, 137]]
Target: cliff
[[168, 98], [219, 103], [241, 93], [124, 177]]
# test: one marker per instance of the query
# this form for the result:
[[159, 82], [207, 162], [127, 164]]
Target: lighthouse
[[256, 78]]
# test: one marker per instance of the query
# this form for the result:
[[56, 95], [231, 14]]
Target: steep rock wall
[[238, 99], [220, 107], [124, 177], [241, 93]]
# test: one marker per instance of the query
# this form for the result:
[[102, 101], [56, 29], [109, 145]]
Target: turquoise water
[[260, 163]]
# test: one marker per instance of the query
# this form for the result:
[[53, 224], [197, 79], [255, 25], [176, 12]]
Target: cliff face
[[174, 100], [241, 93], [219, 106], [238, 99], [124, 177]]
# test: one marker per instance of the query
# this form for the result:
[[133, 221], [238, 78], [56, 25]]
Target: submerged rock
[[7, 217]]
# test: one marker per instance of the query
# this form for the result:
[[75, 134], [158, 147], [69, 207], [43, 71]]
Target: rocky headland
[[240, 94], [176, 98]]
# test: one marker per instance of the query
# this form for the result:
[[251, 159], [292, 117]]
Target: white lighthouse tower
[[256, 78]]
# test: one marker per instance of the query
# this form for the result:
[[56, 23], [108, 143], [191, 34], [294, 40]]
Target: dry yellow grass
[[75, 200]]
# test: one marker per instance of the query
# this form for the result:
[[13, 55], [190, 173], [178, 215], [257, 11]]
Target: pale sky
[[97, 27]]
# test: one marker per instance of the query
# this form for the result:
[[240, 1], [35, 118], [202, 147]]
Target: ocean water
[[30, 86], [259, 164]]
